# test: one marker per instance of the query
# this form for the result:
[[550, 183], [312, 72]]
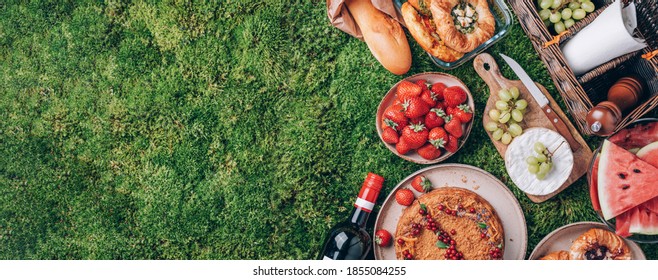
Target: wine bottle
[[349, 239]]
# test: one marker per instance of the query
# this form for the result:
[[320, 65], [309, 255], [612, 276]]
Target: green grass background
[[205, 130]]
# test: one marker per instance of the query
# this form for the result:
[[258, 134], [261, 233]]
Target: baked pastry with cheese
[[418, 18], [454, 223], [463, 24]]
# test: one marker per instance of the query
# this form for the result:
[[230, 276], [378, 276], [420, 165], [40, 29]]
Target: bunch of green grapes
[[542, 163], [562, 14], [507, 115]]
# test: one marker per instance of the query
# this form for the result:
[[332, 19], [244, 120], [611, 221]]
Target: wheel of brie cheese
[[522, 147]]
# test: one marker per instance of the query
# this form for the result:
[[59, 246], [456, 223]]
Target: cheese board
[[486, 66]]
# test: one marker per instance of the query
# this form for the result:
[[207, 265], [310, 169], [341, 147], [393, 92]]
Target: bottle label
[[367, 198], [364, 204]]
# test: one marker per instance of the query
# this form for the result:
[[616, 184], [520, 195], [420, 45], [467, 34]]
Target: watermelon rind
[[603, 195], [593, 185]]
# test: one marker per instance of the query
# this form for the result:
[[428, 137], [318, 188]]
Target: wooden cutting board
[[486, 67]]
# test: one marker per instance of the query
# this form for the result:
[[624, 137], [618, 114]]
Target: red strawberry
[[445, 106], [454, 127], [397, 126], [408, 90], [394, 117], [434, 118], [452, 144], [418, 120], [415, 107], [402, 146], [423, 84], [438, 90], [386, 123], [463, 113], [428, 97], [450, 111], [397, 101], [394, 112], [438, 137], [429, 151], [415, 135], [454, 96], [390, 136], [421, 183], [439, 105], [404, 197], [383, 238]]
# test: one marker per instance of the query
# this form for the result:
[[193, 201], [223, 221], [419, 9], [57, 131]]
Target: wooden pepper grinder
[[622, 97], [603, 118]]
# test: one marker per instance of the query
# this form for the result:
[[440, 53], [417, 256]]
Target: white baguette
[[383, 35]]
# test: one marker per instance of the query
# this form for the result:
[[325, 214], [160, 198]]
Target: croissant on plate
[[599, 244], [557, 255], [594, 244]]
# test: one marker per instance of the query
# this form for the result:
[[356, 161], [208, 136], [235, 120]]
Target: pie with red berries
[[449, 223]]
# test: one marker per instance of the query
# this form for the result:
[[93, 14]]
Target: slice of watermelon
[[637, 136], [593, 185], [639, 220], [649, 154], [643, 221], [624, 181], [623, 222]]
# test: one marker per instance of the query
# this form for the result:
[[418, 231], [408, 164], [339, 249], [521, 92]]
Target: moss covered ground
[[205, 129]]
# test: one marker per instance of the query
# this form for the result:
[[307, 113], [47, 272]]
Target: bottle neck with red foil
[[367, 198]]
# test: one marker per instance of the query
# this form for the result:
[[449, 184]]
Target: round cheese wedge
[[522, 147]]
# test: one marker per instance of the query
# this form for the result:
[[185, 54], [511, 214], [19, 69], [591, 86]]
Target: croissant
[[557, 255], [599, 244], [463, 24]]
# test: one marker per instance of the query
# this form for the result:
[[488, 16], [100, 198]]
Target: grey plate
[[561, 239]]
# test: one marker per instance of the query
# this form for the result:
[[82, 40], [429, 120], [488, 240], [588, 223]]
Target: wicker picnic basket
[[581, 93]]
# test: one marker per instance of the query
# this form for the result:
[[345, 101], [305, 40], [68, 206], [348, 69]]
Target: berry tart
[[449, 223]]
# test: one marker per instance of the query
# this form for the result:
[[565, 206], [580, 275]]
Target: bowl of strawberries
[[426, 118]]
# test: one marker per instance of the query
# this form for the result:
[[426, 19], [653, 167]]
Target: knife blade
[[541, 99]]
